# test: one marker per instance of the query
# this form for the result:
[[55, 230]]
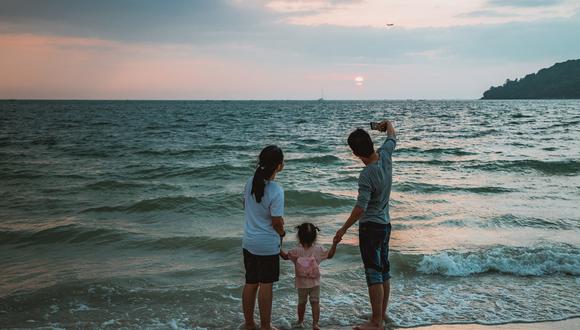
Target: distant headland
[[560, 81]]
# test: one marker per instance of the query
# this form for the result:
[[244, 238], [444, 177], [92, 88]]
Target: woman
[[263, 232]]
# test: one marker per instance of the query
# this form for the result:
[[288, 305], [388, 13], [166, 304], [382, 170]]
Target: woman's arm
[[278, 224]]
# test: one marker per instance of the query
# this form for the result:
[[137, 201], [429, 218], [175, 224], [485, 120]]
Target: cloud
[[244, 49], [134, 20], [525, 3], [487, 13]]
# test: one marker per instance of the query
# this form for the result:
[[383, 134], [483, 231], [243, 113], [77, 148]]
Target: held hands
[[284, 255], [338, 236]]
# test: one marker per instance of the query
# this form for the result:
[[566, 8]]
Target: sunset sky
[[281, 49]]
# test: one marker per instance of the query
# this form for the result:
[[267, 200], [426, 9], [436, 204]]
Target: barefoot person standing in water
[[372, 212], [263, 230]]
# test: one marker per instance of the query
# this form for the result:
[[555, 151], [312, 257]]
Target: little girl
[[306, 258]]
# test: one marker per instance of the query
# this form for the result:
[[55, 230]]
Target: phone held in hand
[[374, 125]]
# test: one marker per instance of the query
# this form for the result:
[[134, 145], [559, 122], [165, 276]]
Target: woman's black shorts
[[261, 269]]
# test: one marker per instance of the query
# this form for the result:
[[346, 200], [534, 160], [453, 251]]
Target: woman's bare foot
[[315, 326], [250, 326], [387, 319]]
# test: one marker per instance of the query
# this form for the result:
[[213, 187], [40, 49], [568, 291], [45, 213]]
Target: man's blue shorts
[[374, 250]]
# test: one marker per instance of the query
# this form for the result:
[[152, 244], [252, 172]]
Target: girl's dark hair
[[307, 234], [270, 158]]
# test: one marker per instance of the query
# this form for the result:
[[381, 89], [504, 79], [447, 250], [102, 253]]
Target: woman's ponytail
[[269, 159]]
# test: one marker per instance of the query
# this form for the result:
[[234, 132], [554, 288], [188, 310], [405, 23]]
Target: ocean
[[129, 213]]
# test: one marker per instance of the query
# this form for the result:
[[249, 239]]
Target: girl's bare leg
[[301, 312], [315, 315]]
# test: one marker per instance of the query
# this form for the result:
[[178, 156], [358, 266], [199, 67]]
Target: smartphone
[[374, 125]]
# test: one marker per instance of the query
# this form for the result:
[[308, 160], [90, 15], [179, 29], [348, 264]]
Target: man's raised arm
[[391, 141]]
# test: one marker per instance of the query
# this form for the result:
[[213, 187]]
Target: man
[[372, 212]]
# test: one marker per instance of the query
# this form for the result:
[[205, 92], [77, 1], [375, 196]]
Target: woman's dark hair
[[361, 143], [270, 158], [307, 234]]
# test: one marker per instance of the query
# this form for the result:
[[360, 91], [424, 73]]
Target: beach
[[556, 325], [129, 213]]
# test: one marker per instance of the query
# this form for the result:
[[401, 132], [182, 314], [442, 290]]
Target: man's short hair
[[361, 143]]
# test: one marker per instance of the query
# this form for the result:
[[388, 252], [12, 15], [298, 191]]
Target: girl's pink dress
[[306, 263]]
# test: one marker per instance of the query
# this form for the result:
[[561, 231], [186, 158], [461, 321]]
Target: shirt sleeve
[[322, 253], [389, 144], [364, 191], [277, 205]]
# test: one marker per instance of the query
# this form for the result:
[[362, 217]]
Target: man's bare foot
[[298, 325], [315, 326], [368, 326], [271, 327]]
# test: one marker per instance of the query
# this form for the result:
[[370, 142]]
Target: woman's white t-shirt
[[260, 238]]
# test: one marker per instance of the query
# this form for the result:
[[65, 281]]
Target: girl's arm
[[332, 250]]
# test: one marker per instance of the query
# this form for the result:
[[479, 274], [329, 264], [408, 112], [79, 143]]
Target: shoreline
[[571, 323]]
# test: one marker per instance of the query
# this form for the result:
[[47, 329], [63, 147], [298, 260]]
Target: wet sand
[[556, 325]]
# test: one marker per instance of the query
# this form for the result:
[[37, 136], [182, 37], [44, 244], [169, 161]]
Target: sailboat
[[321, 99]]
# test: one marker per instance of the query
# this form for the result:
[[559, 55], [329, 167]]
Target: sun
[[359, 80]]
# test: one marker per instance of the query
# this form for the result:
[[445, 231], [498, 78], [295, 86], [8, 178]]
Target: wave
[[447, 151], [309, 199], [70, 233], [562, 167], [212, 171], [326, 159], [437, 162], [206, 243], [169, 203], [435, 188], [294, 199], [116, 184], [521, 115], [511, 220], [517, 261], [195, 150], [9, 173], [565, 124]]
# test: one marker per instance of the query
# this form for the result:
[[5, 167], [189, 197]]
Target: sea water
[[129, 213]]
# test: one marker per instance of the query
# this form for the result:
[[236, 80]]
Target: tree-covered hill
[[560, 81]]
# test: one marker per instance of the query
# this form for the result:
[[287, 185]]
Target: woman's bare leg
[[265, 304], [248, 304]]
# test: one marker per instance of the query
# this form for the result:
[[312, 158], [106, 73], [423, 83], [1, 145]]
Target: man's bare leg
[[248, 304], [265, 304], [376, 298], [315, 315], [386, 293]]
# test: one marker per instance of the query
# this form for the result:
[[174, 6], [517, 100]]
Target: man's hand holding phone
[[379, 126]]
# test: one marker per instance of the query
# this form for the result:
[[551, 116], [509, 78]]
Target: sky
[[278, 49]]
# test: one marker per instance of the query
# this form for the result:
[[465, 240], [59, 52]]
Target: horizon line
[[239, 100]]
